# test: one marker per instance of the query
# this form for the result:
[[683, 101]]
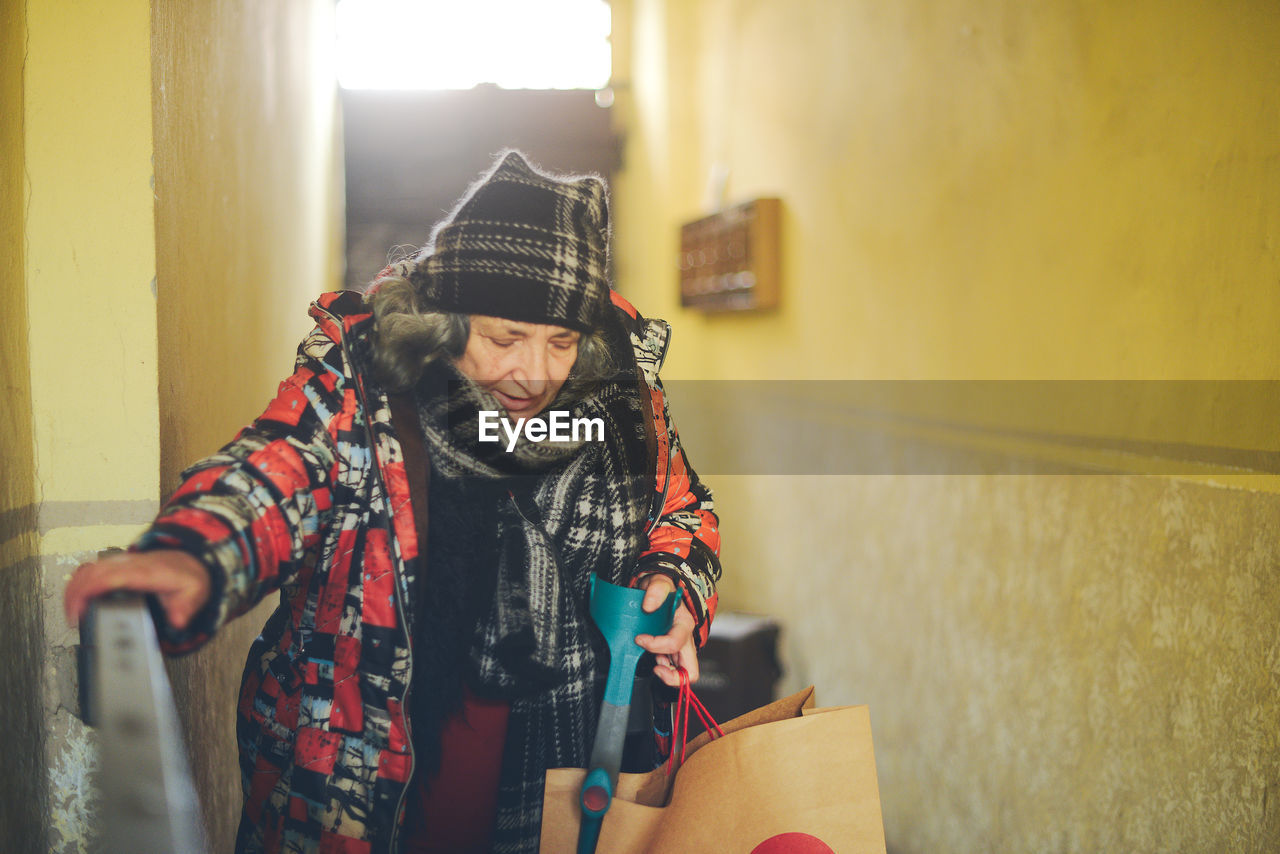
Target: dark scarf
[[513, 538]]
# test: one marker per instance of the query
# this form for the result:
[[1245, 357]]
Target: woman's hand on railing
[[178, 580]]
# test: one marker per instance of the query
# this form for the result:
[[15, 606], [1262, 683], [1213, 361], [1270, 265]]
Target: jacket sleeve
[[684, 544], [252, 512]]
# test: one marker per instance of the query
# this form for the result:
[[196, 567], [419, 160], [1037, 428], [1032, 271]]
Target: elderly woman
[[432, 653]]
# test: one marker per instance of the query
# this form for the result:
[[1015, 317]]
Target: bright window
[[458, 44]]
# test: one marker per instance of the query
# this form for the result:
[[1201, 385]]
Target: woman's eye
[[502, 343], [564, 346]]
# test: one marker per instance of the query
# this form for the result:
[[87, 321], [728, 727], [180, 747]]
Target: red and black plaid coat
[[294, 504]]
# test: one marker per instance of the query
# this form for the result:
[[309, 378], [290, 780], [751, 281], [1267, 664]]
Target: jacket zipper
[[666, 479], [662, 499], [399, 596]]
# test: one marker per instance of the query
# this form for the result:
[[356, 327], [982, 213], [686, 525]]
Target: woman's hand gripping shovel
[[618, 614]]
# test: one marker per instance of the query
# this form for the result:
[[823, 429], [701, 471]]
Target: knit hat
[[523, 245]]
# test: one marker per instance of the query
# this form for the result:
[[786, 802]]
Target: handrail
[[146, 800]]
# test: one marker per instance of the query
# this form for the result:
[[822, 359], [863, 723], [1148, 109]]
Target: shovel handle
[[619, 614]]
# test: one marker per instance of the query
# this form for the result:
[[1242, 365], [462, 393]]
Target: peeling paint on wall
[[1053, 663], [73, 758]]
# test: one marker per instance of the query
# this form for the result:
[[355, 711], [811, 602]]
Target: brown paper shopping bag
[[786, 777]]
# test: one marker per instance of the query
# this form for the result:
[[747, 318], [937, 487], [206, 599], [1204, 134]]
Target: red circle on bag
[[793, 843]]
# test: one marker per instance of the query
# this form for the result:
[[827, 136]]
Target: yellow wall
[[247, 202], [17, 487], [976, 191], [245, 199], [990, 190], [90, 253]]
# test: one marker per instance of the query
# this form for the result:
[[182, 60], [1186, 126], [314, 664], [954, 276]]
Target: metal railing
[[146, 800]]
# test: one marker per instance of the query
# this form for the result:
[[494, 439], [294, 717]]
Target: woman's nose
[[532, 366]]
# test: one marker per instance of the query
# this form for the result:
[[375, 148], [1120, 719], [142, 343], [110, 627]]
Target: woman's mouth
[[513, 404]]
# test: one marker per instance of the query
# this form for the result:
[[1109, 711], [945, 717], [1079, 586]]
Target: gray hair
[[409, 335]]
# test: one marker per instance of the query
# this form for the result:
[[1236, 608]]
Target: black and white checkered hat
[[524, 245]]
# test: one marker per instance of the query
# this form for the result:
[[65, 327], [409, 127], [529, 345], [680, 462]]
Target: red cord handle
[[686, 700]]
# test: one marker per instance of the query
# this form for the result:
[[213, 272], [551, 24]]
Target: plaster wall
[[248, 192], [80, 443], [146, 321], [23, 792], [994, 191]]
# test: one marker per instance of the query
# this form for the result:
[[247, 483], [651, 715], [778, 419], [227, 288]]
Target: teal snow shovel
[[618, 614]]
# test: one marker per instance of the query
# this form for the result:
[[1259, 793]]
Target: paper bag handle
[[684, 701]]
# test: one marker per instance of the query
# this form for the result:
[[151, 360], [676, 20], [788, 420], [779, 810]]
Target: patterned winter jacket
[[312, 500]]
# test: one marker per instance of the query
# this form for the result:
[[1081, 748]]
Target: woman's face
[[522, 364]]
